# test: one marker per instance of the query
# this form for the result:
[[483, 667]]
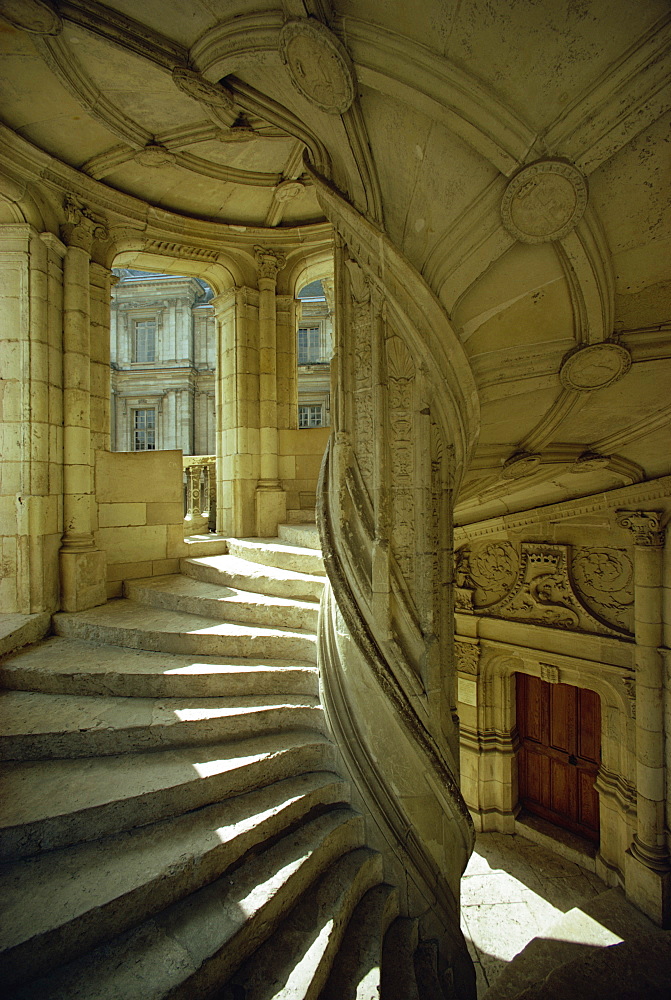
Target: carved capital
[[644, 525], [81, 227], [268, 262]]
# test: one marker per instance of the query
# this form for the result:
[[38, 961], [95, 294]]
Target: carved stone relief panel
[[467, 656], [401, 380], [604, 578], [542, 585], [360, 332], [488, 569]]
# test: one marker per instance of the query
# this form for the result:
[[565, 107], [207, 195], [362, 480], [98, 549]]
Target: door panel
[[560, 752]]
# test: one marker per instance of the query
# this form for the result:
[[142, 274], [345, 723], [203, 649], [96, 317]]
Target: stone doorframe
[[489, 742]]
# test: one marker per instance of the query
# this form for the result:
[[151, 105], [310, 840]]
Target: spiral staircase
[[176, 817]]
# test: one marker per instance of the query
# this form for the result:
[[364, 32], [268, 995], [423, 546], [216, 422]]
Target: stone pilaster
[[271, 501], [647, 866], [82, 565]]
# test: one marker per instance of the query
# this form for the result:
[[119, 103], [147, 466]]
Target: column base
[[83, 583], [271, 507], [648, 888]]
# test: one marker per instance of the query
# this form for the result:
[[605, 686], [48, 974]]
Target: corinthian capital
[[268, 262], [643, 524], [81, 227]]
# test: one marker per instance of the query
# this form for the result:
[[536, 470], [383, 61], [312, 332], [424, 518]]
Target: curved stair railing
[[405, 419]]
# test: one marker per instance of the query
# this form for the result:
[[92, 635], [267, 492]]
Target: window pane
[[144, 430], [145, 340], [309, 345], [310, 416]]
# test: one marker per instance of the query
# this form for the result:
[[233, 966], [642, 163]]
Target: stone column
[[271, 501], [82, 565], [647, 867], [237, 410]]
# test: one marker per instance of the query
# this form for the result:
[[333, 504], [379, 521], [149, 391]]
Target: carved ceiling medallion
[[288, 190], [32, 15], [594, 367], [318, 65], [200, 89], [154, 155], [544, 201], [519, 465]]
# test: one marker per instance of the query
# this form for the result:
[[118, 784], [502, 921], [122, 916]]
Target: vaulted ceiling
[[517, 153]]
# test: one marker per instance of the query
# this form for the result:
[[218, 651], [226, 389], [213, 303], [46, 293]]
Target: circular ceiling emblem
[[318, 65], [519, 465], [31, 15], [288, 190], [590, 461], [196, 86], [544, 201], [595, 367], [154, 155]]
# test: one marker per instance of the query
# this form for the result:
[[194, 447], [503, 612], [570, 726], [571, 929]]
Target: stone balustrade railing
[[200, 494]]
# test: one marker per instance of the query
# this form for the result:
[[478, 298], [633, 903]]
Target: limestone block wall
[[140, 514], [301, 453]]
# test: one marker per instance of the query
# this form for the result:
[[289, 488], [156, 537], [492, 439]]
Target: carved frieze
[[318, 65], [467, 656], [544, 201], [605, 579], [537, 586]]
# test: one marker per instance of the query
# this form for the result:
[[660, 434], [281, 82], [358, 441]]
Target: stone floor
[[527, 888]]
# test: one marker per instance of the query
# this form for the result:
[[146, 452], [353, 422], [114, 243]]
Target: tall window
[[145, 340], [310, 416], [144, 430], [309, 345]]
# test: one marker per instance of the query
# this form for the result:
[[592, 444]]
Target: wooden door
[[560, 734]]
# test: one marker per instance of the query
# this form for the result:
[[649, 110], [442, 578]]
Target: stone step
[[398, 960], [36, 726], [182, 593], [60, 904], [126, 623], [295, 962], [356, 972], [190, 948], [278, 553], [305, 535], [50, 804], [74, 666], [231, 571]]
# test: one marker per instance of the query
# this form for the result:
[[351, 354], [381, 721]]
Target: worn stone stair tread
[[230, 570], [597, 923], [53, 803], [59, 665], [182, 593], [127, 623], [278, 552], [189, 948], [295, 962], [356, 971], [42, 726], [306, 535], [61, 903], [398, 966]]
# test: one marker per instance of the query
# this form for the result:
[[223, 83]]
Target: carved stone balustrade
[[200, 497]]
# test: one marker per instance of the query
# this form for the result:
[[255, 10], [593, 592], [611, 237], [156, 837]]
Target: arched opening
[[314, 349]]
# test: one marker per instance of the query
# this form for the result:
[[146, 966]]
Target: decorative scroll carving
[[401, 377], [542, 592], [605, 579], [318, 65], [643, 524], [487, 570], [595, 366], [544, 201], [467, 656]]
